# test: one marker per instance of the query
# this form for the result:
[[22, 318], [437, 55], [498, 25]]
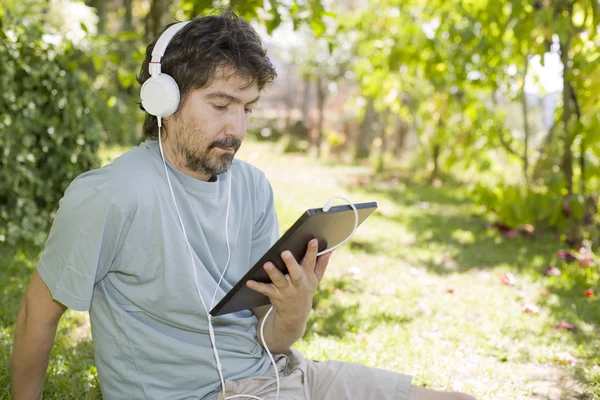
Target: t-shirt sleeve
[[266, 226], [86, 235]]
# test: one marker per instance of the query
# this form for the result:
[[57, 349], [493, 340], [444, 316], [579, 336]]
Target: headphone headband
[[161, 46]]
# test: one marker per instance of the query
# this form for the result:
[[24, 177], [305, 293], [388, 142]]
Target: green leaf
[[318, 27]]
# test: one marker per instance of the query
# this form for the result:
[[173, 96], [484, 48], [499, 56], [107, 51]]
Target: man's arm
[[279, 336], [35, 330], [291, 296]]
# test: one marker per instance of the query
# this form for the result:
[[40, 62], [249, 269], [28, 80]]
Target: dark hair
[[205, 44]]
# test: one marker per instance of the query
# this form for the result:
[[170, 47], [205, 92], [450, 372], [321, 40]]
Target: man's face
[[205, 134]]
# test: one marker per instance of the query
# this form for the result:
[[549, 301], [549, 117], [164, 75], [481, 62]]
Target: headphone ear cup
[[160, 96]]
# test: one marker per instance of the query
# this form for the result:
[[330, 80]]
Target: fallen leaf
[[567, 358], [552, 271], [501, 227], [511, 233], [531, 308], [564, 325], [586, 260], [508, 279], [590, 293], [566, 255], [544, 293], [450, 290], [361, 336]]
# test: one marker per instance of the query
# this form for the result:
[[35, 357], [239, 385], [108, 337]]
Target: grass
[[416, 291]]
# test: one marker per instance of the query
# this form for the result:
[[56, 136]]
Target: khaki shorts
[[302, 379]]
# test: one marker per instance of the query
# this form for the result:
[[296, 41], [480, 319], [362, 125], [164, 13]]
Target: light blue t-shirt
[[116, 248]]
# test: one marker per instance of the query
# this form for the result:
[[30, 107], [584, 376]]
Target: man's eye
[[220, 108], [248, 110]]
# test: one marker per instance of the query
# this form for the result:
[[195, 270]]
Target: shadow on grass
[[444, 220], [363, 246], [336, 314], [581, 311], [71, 372]]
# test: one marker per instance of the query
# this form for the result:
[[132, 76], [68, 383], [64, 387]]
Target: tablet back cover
[[330, 228]]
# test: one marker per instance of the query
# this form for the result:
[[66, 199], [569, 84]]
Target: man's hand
[[291, 295]]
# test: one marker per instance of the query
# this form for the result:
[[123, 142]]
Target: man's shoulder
[[124, 180]]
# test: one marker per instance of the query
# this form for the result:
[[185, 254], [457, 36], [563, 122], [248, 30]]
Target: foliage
[[50, 130], [270, 13], [515, 204], [448, 67]]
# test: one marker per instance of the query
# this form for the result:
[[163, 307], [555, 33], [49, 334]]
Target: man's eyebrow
[[228, 97]]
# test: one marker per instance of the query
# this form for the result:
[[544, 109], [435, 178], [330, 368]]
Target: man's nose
[[237, 124]]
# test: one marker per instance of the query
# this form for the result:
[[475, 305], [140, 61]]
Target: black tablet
[[330, 228]]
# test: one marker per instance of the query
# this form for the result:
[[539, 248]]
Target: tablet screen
[[330, 228]]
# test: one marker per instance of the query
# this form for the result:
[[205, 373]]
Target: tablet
[[330, 228]]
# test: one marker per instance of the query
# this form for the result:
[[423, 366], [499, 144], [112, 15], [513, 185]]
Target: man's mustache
[[229, 142]]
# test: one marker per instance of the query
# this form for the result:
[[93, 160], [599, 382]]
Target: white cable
[[264, 343], [208, 316], [327, 208]]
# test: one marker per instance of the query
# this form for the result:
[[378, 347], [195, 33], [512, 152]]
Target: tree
[[50, 131], [453, 59]]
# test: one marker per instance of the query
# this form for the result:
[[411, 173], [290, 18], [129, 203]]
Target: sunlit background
[[475, 124]]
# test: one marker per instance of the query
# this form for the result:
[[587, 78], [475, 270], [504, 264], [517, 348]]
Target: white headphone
[[160, 93]]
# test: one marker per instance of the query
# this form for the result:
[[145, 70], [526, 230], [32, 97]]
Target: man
[[119, 248]]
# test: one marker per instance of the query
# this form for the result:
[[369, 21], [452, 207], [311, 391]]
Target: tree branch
[[507, 146]]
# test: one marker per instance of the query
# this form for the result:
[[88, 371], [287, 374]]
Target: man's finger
[[296, 273], [322, 263], [276, 276], [264, 288], [310, 257]]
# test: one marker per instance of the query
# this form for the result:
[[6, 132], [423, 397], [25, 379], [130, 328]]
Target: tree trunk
[[128, 19], [402, 129], [306, 101], [289, 101], [365, 136], [158, 18], [383, 120], [318, 134], [568, 114], [583, 147], [525, 121], [436, 150], [101, 7]]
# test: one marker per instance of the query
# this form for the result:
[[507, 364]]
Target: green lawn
[[417, 291]]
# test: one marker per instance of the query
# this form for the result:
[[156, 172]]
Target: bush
[[515, 205], [49, 133]]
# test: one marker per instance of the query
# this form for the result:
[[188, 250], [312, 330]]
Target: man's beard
[[208, 161], [205, 157]]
